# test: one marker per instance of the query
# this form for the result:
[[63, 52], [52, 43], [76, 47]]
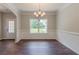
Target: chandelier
[[39, 13]]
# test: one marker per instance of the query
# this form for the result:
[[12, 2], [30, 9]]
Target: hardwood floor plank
[[36, 47]]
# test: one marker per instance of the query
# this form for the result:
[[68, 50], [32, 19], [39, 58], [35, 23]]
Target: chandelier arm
[[39, 13]]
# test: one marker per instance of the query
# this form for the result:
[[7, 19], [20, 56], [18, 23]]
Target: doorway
[[9, 26]]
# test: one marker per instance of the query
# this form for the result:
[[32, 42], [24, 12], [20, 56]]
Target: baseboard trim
[[7, 39], [68, 47], [71, 39], [39, 39]]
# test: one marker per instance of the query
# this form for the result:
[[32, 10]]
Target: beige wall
[[69, 18], [16, 12], [68, 27], [25, 27], [0, 25], [5, 18]]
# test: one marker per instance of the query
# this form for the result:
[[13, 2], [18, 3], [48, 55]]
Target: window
[[11, 27], [38, 26]]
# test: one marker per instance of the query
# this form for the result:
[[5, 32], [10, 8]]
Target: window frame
[[38, 27], [11, 27]]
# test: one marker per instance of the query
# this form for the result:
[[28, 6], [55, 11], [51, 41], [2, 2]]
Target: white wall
[[25, 27], [68, 27]]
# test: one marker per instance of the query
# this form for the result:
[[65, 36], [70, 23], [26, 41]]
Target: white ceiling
[[27, 7], [35, 6]]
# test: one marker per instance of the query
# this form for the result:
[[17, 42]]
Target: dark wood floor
[[24, 47]]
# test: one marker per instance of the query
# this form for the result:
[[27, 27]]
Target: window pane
[[37, 26], [11, 27], [34, 26], [43, 26]]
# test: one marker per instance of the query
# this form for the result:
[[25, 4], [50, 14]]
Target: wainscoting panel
[[49, 35], [69, 39]]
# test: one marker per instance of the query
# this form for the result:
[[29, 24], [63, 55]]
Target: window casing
[[38, 26], [11, 26]]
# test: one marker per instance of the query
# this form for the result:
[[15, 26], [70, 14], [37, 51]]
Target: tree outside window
[[38, 26]]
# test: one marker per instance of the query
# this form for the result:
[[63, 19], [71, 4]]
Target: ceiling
[[4, 9], [28, 7], [24, 7]]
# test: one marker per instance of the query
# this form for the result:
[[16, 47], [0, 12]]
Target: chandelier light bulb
[[35, 13], [39, 12], [43, 14]]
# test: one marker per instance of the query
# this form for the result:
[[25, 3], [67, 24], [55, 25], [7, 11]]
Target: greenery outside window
[[38, 26]]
